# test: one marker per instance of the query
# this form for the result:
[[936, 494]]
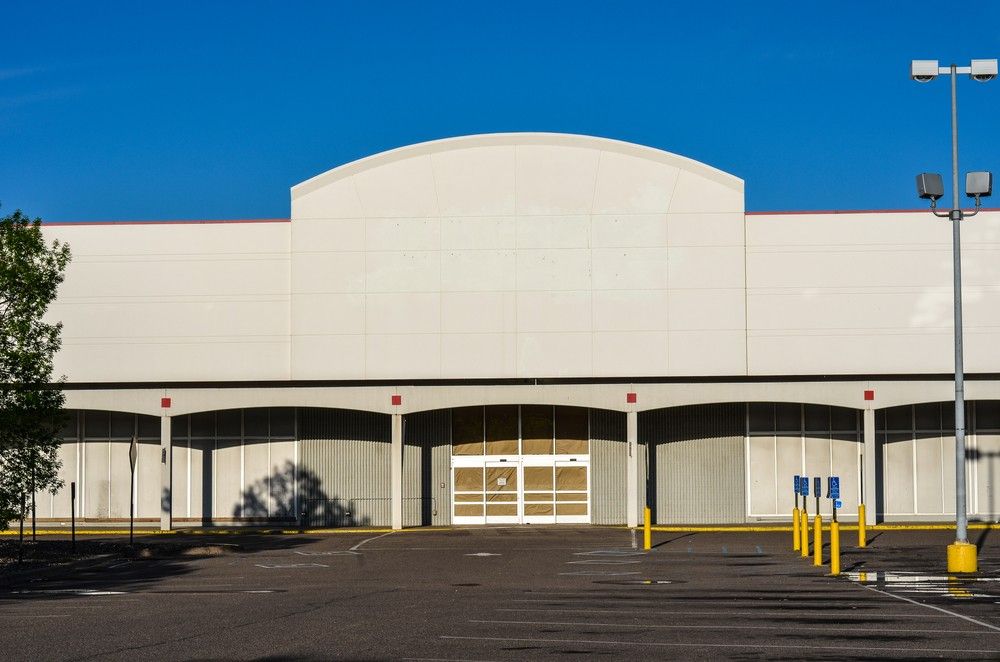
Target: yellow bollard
[[962, 557], [862, 534], [818, 542], [647, 534], [795, 529], [834, 548], [804, 533]]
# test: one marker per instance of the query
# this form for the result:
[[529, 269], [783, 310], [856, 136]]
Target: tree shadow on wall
[[274, 499]]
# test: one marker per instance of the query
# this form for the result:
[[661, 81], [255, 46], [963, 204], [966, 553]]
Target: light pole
[[961, 554]]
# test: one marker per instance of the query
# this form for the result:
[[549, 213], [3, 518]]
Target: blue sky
[[205, 110]]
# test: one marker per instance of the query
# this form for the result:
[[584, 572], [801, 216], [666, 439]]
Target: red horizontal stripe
[[181, 222], [854, 211]]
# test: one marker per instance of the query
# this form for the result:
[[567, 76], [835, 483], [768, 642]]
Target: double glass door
[[525, 490], [522, 464]]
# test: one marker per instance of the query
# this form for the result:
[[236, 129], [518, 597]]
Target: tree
[[31, 401]]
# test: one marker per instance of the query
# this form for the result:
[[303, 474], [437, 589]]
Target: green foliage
[[30, 401]]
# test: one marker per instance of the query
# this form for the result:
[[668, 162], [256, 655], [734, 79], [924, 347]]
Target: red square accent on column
[[630, 398], [165, 403], [397, 399], [869, 395]]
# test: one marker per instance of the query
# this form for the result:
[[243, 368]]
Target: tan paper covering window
[[571, 496], [572, 431], [538, 497], [538, 478], [571, 479], [538, 509], [467, 431], [536, 429], [501, 479], [571, 509], [468, 479], [501, 430]]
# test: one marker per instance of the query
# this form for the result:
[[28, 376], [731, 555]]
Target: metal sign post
[[804, 516], [133, 454], [833, 492], [33, 538], [818, 523], [795, 516], [20, 535], [72, 513]]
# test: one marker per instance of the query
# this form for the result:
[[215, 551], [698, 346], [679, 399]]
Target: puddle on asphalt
[[949, 586]]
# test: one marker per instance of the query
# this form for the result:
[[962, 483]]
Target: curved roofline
[[514, 139]]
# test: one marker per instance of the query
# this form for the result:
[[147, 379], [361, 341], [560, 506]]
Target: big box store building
[[523, 329]]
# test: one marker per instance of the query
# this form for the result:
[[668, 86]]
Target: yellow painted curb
[[751, 528], [216, 532]]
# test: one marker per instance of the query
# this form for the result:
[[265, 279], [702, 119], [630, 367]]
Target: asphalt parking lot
[[510, 593]]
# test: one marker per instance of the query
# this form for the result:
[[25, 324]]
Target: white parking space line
[[282, 566], [728, 626], [839, 615], [839, 604], [935, 608], [358, 546], [597, 573], [85, 592], [662, 644]]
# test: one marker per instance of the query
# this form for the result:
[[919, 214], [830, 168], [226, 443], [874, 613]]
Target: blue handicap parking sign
[[796, 483], [804, 486], [838, 504], [834, 489], [818, 486]]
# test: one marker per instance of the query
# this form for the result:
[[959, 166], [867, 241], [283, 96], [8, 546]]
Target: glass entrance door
[[572, 482], [520, 465], [502, 492]]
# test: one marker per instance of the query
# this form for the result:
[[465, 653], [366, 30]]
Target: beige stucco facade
[[523, 256]]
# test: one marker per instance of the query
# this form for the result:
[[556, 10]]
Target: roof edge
[[822, 212], [166, 222], [514, 139]]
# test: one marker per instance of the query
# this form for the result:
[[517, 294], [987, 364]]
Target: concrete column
[[632, 469], [396, 472], [166, 475], [872, 479]]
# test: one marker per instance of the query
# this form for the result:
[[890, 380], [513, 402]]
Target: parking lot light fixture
[[961, 554]]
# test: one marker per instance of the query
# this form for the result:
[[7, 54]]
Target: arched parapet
[[512, 173], [518, 255]]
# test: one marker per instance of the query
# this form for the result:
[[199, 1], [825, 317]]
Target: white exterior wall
[[524, 255], [174, 302], [868, 293]]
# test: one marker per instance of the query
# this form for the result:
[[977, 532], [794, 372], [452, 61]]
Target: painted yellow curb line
[[826, 527], [220, 532]]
